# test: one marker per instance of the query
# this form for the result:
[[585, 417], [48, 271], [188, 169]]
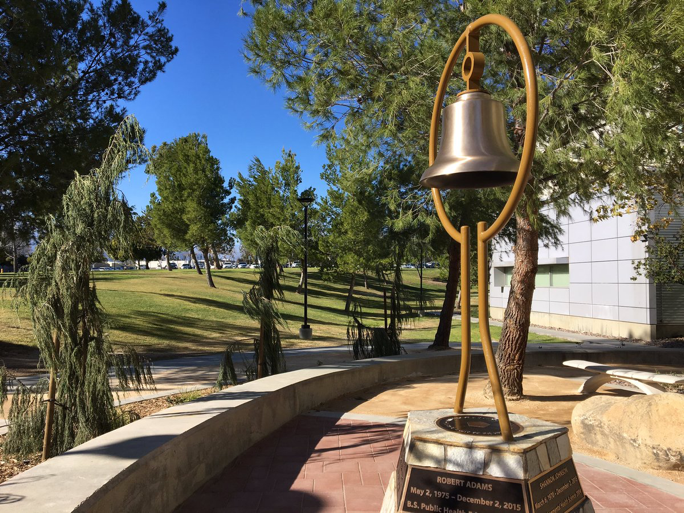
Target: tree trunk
[[262, 351], [350, 295], [168, 260], [365, 280], [147, 264], [15, 257], [447, 314], [217, 260], [300, 287], [421, 301], [384, 304], [193, 256], [510, 355], [393, 310], [210, 282]]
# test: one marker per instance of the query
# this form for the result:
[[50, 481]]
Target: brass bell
[[474, 152]]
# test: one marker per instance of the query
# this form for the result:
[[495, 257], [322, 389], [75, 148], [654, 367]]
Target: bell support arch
[[470, 38]]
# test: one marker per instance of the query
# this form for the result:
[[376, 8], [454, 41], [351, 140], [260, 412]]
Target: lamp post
[[305, 332], [474, 153]]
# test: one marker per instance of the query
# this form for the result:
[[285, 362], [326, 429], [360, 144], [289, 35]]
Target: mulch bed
[[10, 467], [669, 343]]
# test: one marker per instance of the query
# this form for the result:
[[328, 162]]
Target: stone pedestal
[[443, 471]]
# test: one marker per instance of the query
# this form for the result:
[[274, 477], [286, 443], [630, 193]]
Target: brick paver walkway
[[318, 464]]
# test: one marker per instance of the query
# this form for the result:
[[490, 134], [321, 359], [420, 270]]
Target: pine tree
[[68, 68], [192, 204], [268, 198], [145, 246]]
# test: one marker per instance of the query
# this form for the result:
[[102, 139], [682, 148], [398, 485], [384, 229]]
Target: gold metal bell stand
[[488, 162]]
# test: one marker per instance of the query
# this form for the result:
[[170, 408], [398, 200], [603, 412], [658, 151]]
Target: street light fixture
[[474, 153], [305, 332]]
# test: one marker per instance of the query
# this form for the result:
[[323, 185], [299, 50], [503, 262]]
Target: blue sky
[[206, 89]]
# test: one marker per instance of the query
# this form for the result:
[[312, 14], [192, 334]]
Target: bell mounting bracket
[[473, 62]]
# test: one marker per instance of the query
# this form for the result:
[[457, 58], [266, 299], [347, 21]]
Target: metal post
[[465, 321], [485, 337], [422, 268], [50, 412], [306, 266], [305, 332]]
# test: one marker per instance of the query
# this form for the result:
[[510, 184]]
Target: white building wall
[[600, 256]]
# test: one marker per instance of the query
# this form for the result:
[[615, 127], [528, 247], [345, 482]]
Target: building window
[[560, 275], [543, 278], [557, 275]]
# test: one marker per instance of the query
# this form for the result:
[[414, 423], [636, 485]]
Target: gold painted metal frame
[[484, 233]]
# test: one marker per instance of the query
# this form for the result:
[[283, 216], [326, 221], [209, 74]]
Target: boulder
[[642, 430]]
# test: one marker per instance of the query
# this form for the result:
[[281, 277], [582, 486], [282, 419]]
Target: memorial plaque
[[480, 425], [557, 490], [443, 491]]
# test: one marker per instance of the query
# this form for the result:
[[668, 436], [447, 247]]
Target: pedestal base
[[305, 332], [443, 471]]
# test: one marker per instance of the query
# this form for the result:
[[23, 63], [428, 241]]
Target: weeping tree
[[261, 304], [227, 374], [68, 321], [371, 342]]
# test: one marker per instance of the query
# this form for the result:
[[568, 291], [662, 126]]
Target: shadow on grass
[[20, 357], [110, 276], [204, 301], [326, 307], [180, 328], [239, 277]]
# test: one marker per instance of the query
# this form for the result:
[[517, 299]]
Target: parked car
[[186, 266], [242, 265]]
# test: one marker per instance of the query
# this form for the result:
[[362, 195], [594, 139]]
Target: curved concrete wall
[[154, 464]]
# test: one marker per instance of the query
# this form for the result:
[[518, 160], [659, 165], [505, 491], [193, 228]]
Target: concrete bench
[[647, 382]]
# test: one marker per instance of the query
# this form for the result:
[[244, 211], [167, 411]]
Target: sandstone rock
[[643, 430]]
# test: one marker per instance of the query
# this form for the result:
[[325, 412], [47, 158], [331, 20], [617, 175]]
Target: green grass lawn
[[176, 312]]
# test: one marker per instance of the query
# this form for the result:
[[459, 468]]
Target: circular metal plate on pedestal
[[479, 425]]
